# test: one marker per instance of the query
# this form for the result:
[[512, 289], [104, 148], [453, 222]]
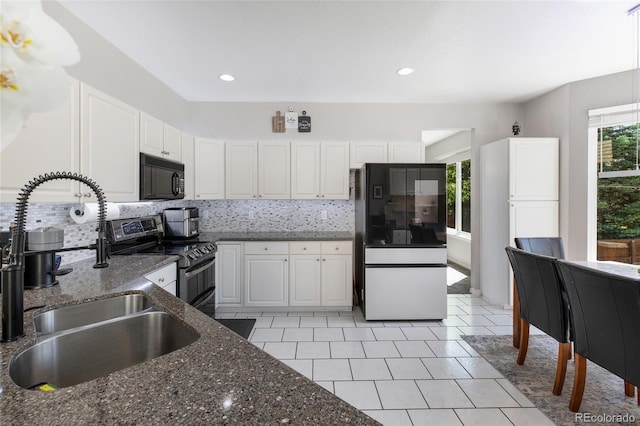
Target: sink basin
[[73, 316], [84, 354]]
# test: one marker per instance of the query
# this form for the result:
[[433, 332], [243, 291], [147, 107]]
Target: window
[[618, 187], [459, 196]]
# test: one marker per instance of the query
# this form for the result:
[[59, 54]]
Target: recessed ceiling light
[[405, 71], [227, 77]]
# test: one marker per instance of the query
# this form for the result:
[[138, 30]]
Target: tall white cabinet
[[519, 180]]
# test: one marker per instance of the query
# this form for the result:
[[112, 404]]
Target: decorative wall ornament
[[291, 119], [34, 50], [304, 123], [277, 123]]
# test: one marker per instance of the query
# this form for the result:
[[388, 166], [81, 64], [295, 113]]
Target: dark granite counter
[[277, 236], [219, 379]]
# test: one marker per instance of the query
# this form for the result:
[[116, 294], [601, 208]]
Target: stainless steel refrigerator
[[401, 241]]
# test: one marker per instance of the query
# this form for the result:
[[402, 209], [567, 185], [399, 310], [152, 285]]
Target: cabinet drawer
[[266, 247], [337, 247], [304, 247], [163, 276]]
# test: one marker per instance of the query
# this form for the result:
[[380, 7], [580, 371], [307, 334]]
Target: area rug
[[604, 401], [242, 327]]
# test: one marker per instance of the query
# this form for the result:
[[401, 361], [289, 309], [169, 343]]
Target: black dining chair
[[605, 316], [548, 246], [543, 305]]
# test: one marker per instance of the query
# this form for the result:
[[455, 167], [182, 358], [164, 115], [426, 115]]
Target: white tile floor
[[401, 373]]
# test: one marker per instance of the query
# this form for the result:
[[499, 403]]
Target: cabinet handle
[[260, 196], [337, 248], [317, 195], [286, 260], [78, 194], [322, 195], [317, 260], [304, 248], [87, 194], [161, 280], [266, 248], [324, 260]]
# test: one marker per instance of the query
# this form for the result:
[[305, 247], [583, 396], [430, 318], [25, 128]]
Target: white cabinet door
[[241, 167], [367, 152], [165, 277], [209, 169], [49, 142], [533, 168], [305, 170], [229, 274], [304, 280], [109, 135], [274, 166], [406, 152], [336, 286], [151, 135], [188, 158], [172, 143], [533, 219], [334, 170], [266, 280]]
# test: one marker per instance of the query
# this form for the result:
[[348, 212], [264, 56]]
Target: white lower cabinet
[[165, 277], [229, 269], [310, 274]]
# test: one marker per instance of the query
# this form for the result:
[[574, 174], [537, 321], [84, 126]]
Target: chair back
[[605, 315], [548, 246], [542, 300]]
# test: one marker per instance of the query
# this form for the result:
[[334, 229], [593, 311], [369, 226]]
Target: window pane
[[451, 195], [618, 197], [466, 195]]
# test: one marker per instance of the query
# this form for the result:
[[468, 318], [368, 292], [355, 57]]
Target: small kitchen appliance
[[42, 267], [181, 222]]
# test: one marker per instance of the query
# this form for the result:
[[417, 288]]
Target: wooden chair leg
[[564, 350], [638, 395], [516, 316], [524, 342], [578, 383], [629, 389]]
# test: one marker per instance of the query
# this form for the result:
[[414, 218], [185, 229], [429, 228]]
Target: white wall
[[564, 113], [107, 69]]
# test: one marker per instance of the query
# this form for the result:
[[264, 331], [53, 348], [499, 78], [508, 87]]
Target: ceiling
[[349, 51]]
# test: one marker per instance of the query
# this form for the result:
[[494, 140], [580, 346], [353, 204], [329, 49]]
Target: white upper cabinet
[[49, 142], [188, 158], [258, 170], [534, 168], [109, 135], [334, 170], [305, 170], [159, 139], [209, 169], [172, 143], [241, 170], [274, 165], [406, 152], [367, 152]]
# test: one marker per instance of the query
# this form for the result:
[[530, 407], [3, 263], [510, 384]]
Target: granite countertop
[[277, 236], [219, 379]]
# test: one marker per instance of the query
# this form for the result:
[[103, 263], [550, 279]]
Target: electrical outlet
[[323, 215]]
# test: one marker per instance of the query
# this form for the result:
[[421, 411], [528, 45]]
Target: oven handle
[[197, 271], [205, 296]]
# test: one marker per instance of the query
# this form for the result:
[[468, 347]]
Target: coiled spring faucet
[[13, 272]]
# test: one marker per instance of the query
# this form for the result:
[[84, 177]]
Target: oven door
[[197, 283]]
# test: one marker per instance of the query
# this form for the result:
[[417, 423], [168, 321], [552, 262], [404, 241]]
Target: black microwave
[[160, 179]]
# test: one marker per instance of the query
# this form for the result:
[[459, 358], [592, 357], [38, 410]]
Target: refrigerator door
[[405, 204], [405, 293]]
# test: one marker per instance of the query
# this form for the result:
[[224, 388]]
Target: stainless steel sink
[[86, 353], [73, 316]]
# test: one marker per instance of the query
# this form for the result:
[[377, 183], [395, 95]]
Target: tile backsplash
[[215, 216]]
